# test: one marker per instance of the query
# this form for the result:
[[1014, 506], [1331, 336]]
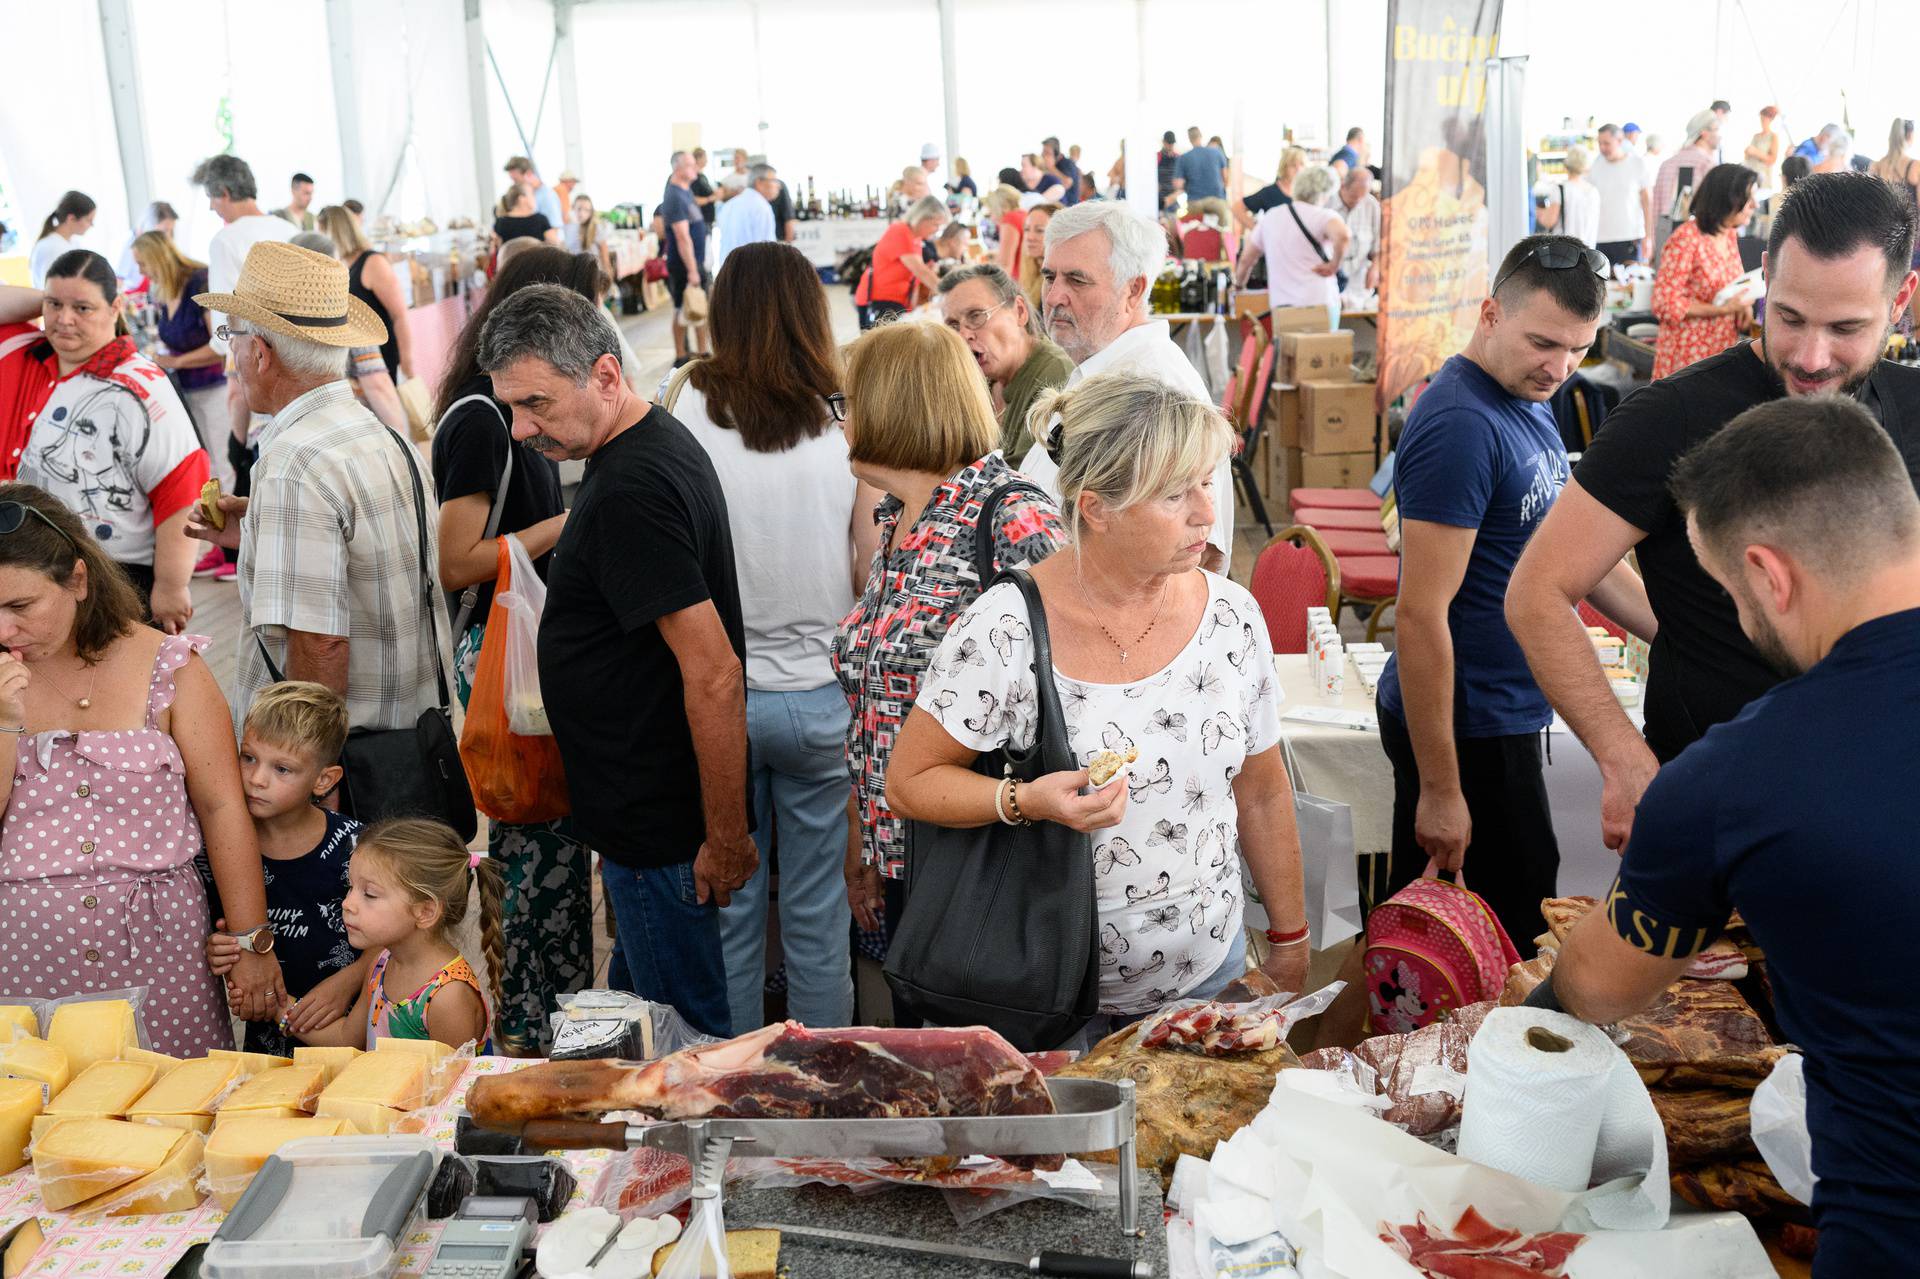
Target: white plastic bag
[[526, 708], [1780, 1127], [701, 1252]]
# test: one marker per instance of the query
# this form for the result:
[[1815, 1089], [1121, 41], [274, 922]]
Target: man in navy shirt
[[1800, 811], [1478, 465], [1353, 154], [1201, 174], [686, 246]]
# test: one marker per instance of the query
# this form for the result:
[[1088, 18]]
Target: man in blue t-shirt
[[1201, 174], [1353, 154], [1479, 463], [1055, 163], [686, 248], [1799, 812]]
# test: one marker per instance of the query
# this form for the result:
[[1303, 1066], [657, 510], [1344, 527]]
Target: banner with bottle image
[[1434, 218]]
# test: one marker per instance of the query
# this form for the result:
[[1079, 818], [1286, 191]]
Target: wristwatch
[[258, 940]]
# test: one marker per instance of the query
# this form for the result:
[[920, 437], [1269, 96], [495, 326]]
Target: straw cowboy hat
[[298, 293]]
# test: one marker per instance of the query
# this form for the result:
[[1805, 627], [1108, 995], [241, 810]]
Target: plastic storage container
[[326, 1208]]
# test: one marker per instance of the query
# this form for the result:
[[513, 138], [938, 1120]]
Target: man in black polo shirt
[[1801, 810], [641, 646], [1838, 276]]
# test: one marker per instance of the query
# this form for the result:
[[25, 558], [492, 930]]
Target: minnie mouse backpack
[[1432, 948]]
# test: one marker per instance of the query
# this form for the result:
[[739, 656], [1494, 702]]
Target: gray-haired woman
[[1302, 242], [990, 313], [1150, 654]]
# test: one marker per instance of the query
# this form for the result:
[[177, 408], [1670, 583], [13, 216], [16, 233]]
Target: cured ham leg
[[782, 1072]]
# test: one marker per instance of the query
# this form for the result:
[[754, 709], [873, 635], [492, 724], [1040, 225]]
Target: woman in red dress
[[1702, 257]]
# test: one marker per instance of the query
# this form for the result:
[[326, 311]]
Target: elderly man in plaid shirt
[[329, 542]]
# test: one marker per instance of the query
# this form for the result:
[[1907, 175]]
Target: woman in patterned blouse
[[1702, 257], [921, 429]]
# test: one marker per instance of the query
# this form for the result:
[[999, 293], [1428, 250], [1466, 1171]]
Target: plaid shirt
[[330, 545], [913, 594]]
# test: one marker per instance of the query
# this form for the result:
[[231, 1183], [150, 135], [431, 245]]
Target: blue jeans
[[799, 779], [669, 945], [1232, 968]]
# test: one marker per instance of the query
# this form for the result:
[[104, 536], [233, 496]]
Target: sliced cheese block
[[81, 1158], [191, 1088], [172, 1187], [331, 1060], [20, 1249], [241, 1143], [159, 1061], [444, 1065], [266, 1112], [17, 1020], [251, 1064], [96, 1030], [20, 1104], [283, 1088], [396, 1079], [38, 1060], [103, 1090], [189, 1123], [367, 1117]]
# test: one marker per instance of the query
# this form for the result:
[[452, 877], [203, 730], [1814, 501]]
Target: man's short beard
[[1849, 386]]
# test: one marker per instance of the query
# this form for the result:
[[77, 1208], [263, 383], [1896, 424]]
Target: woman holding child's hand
[[116, 764]]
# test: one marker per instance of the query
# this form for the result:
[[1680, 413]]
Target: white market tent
[[412, 105]]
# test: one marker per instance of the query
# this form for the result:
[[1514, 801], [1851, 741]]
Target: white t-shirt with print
[[1168, 877]]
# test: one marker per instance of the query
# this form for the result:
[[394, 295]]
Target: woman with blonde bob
[[921, 429], [1153, 658]]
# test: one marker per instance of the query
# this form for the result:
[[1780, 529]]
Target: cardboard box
[[1297, 319], [1283, 416], [1300, 470], [1315, 357], [1336, 417]]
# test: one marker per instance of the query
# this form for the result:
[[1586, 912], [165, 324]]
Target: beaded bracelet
[[1013, 802]]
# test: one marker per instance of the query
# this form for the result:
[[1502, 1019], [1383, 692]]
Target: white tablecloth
[[826, 240], [1349, 766]]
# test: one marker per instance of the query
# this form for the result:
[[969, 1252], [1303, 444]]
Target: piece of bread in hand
[[1106, 765], [210, 504]]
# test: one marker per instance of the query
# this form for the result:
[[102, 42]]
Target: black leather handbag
[[999, 927], [408, 772]]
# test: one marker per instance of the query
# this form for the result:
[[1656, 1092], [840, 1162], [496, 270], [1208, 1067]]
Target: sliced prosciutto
[[1477, 1249]]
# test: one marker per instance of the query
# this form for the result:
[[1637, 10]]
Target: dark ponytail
[[74, 204]]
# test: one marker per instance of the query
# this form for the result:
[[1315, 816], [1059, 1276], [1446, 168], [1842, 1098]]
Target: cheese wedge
[[290, 1088], [38, 1060], [241, 1143], [81, 1158], [398, 1080], [17, 1020], [96, 1030], [443, 1065], [331, 1060], [251, 1064], [191, 1088], [20, 1103], [369, 1118], [172, 1187], [25, 1242], [227, 1114], [104, 1090], [159, 1061]]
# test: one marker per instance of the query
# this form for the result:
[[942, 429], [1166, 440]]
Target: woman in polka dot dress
[[116, 752]]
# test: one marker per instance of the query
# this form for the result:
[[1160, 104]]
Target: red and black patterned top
[[882, 647]]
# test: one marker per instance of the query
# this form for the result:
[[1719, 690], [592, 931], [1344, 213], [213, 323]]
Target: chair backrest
[[1294, 572], [1591, 616], [1204, 243], [1261, 383], [1237, 380]]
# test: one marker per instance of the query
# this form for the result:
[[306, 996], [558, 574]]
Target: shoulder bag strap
[[426, 578], [1303, 230], [670, 395], [984, 526], [1049, 730], [470, 597]]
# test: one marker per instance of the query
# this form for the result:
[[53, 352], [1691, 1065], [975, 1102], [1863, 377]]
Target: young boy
[[288, 748]]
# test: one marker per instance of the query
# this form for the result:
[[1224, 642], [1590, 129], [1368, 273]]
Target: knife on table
[[1067, 1265]]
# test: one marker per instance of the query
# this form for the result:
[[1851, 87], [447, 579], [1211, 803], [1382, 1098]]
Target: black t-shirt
[[1164, 162], [1267, 197], [1702, 668], [469, 453], [702, 188], [782, 213], [647, 537], [534, 226]]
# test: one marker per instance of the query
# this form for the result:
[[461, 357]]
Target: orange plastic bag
[[515, 779]]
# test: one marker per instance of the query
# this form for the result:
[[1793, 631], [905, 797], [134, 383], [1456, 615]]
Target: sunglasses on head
[[1561, 254], [15, 514]]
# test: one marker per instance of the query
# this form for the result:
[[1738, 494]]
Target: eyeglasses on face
[[974, 320], [836, 405]]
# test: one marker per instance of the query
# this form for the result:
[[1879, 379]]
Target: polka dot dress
[[97, 880]]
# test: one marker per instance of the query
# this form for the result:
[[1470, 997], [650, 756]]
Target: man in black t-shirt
[[641, 646], [1838, 276]]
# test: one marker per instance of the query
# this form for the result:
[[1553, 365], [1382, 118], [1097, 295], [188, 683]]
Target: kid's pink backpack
[[1432, 948]]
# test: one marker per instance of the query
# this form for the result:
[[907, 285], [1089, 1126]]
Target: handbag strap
[[427, 609], [1050, 723], [1303, 230], [470, 598], [984, 525], [675, 383]]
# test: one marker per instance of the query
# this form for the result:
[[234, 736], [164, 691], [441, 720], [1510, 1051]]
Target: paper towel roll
[[1551, 1099]]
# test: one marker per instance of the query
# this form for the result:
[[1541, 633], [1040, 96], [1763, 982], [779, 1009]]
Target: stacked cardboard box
[[1320, 419]]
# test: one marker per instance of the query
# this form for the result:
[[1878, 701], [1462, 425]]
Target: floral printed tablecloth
[[148, 1247]]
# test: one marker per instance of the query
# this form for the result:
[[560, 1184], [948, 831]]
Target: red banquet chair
[[1204, 244], [1348, 541], [1323, 518], [1294, 572], [1333, 500], [1370, 580]]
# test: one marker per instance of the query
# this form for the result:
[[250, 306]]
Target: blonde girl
[[410, 881]]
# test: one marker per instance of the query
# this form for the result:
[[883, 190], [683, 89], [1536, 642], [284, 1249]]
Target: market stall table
[[826, 240], [1349, 766]]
